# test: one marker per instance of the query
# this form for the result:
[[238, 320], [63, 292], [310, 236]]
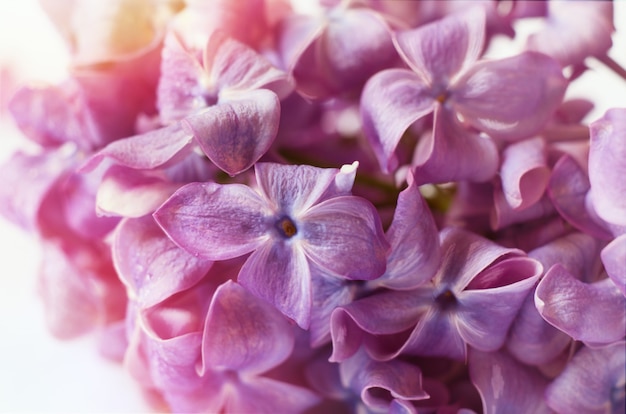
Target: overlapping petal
[[613, 258], [237, 132], [511, 98], [414, 240], [391, 101], [524, 172], [152, 149], [293, 188], [128, 192], [607, 166], [150, 264], [452, 153], [401, 380], [505, 385], [591, 312], [279, 274], [234, 67], [439, 51], [263, 337], [344, 235], [216, 222]]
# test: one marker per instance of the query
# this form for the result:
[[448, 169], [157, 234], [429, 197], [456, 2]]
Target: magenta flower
[[299, 222], [507, 99]]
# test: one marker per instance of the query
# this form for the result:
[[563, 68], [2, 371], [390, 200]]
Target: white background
[[41, 374]]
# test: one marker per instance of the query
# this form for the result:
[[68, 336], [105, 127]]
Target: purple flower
[[507, 99], [300, 221], [470, 300], [227, 103]]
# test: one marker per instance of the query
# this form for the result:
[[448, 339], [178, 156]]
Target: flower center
[[446, 299], [286, 227]]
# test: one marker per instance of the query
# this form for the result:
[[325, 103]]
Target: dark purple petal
[[614, 258], [244, 334], [607, 167], [236, 132], [391, 101], [594, 313], [414, 239], [344, 235], [149, 150], [215, 221], [398, 380], [524, 172], [268, 396], [279, 273], [293, 189], [150, 264], [505, 385], [591, 383], [452, 153], [438, 51], [510, 98], [128, 192]]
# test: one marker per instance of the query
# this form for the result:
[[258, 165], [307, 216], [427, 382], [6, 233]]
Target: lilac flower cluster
[[267, 211]]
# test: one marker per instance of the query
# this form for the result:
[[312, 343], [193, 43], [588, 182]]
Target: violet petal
[[607, 167], [150, 264], [593, 313], [279, 273], [244, 334], [391, 101], [235, 133], [440, 50], [511, 98], [215, 221], [613, 258], [344, 235]]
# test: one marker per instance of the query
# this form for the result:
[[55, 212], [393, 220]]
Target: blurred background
[[39, 373]]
